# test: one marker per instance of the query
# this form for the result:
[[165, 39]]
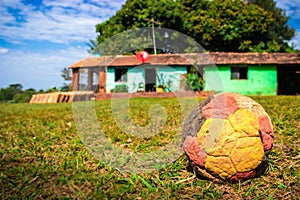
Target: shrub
[[21, 98], [194, 82], [120, 88]]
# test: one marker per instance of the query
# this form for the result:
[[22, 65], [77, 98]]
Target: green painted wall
[[262, 80], [136, 75]]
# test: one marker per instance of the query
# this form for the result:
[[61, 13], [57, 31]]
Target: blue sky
[[38, 38]]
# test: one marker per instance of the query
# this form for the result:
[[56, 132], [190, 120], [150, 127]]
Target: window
[[83, 78], [121, 74], [239, 72]]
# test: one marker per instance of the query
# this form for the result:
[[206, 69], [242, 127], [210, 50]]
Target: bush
[[120, 88], [21, 98], [194, 82]]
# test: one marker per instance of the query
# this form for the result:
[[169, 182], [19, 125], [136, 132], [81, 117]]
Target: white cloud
[[290, 6], [296, 40], [3, 50], [292, 9], [72, 3], [37, 70], [12, 3], [54, 20], [70, 23]]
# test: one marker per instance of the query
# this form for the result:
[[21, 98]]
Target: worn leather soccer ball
[[228, 137]]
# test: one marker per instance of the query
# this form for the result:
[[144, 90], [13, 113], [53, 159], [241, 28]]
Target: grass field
[[42, 156]]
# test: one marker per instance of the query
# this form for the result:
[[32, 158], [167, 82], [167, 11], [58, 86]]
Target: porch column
[[90, 78], [75, 79], [102, 80]]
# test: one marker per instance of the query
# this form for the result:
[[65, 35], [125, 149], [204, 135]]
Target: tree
[[228, 25], [93, 47], [218, 25], [137, 14], [66, 74], [14, 93], [24, 96], [280, 32], [193, 5], [7, 94]]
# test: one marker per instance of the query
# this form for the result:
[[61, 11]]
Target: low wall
[[100, 96], [62, 97], [68, 97]]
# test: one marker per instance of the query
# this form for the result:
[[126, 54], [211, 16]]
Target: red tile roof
[[93, 62], [194, 59], [255, 58]]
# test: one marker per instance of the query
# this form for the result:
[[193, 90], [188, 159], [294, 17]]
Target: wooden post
[[102, 80], [75, 79], [90, 79]]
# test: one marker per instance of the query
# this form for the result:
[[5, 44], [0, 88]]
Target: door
[[288, 80], [150, 79]]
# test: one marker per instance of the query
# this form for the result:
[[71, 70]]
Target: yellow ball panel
[[221, 166], [213, 133], [245, 120], [247, 154]]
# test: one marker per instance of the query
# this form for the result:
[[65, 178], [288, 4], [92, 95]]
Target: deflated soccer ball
[[228, 137]]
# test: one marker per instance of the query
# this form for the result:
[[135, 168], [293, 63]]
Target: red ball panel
[[220, 107]]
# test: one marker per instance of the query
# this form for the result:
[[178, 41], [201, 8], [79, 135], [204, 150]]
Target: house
[[104, 74], [244, 73]]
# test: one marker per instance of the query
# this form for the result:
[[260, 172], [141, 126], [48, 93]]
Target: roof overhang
[[196, 59]]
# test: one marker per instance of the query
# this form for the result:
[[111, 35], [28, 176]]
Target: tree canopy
[[14, 93], [280, 31], [217, 25], [139, 13]]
